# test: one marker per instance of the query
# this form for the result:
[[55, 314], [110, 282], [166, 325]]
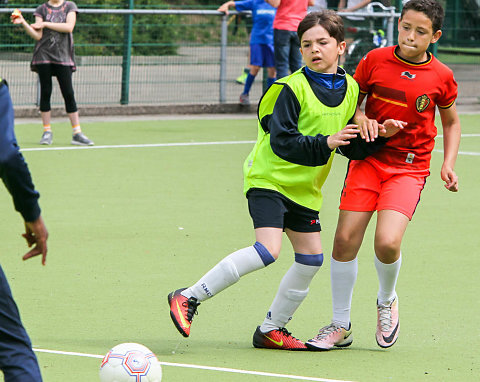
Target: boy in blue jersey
[[302, 119], [261, 41], [17, 359]]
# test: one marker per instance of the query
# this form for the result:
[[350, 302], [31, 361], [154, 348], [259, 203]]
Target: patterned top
[[409, 92], [54, 47]]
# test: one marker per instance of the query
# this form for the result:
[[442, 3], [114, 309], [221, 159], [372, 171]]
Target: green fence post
[[127, 53], [223, 60]]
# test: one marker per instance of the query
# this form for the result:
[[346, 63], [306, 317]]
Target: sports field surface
[[156, 203]]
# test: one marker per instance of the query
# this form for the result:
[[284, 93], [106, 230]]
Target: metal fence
[[154, 57]]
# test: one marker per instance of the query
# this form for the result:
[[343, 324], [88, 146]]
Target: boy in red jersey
[[404, 82]]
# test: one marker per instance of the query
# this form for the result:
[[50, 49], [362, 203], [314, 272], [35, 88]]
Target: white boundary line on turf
[[463, 135], [224, 369], [174, 144], [460, 152]]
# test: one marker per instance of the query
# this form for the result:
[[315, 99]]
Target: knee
[[387, 247], [273, 249], [345, 245]]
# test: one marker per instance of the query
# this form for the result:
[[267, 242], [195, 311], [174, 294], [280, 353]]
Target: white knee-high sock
[[229, 270], [292, 291], [387, 279], [343, 276]]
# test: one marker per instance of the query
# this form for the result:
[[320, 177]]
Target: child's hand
[[16, 17], [369, 129], [224, 7], [341, 138], [391, 127], [450, 178]]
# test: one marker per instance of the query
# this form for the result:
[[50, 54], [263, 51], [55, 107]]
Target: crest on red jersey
[[422, 103]]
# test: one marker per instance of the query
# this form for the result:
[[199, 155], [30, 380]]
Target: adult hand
[[36, 235]]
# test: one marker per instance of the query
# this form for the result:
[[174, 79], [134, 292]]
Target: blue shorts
[[271, 209], [262, 55]]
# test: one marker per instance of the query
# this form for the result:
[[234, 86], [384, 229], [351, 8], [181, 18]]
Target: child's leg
[[351, 228], [75, 122], [391, 226], [64, 77], [229, 270], [46, 117], [45, 77], [271, 72], [294, 286], [250, 78]]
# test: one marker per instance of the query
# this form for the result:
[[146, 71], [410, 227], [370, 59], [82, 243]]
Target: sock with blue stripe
[[229, 270]]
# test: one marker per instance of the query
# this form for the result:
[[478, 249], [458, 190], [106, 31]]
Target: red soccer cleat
[[182, 310], [279, 339]]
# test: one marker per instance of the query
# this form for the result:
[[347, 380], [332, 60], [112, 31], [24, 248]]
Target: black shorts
[[271, 209]]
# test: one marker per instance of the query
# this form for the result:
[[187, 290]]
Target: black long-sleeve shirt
[[289, 144], [13, 168]]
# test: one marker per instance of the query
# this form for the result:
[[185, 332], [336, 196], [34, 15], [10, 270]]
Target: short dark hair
[[431, 8], [328, 19]]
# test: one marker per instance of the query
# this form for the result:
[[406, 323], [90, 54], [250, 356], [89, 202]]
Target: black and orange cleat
[[182, 310], [280, 339]]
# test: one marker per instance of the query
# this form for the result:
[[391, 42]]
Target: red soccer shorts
[[373, 186]]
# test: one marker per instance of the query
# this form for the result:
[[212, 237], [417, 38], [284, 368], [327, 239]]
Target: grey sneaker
[[81, 140], [244, 99], [47, 138]]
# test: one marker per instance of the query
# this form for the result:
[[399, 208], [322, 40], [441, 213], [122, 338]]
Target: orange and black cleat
[[279, 339], [182, 310]]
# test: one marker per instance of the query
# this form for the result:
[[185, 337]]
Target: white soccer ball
[[130, 362]]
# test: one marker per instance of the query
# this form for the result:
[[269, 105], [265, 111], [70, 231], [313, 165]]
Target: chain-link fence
[[162, 57]]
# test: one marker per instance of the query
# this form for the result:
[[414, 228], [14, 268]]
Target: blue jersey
[[262, 17], [13, 169]]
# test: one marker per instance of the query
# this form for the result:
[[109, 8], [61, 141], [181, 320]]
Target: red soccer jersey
[[408, 92], [289, 14]]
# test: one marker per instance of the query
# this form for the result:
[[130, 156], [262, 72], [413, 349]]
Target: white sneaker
[[330, 336], [81, 140], [47, 138], [388, 324]]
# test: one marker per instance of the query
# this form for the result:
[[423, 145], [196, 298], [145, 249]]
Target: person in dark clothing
[[17, 359], [54, 56]]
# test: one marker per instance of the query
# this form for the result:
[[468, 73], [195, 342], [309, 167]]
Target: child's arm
[[33, 33], [66, 27], [225, 6], [288, 143], [451, 143], [370, 128]]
